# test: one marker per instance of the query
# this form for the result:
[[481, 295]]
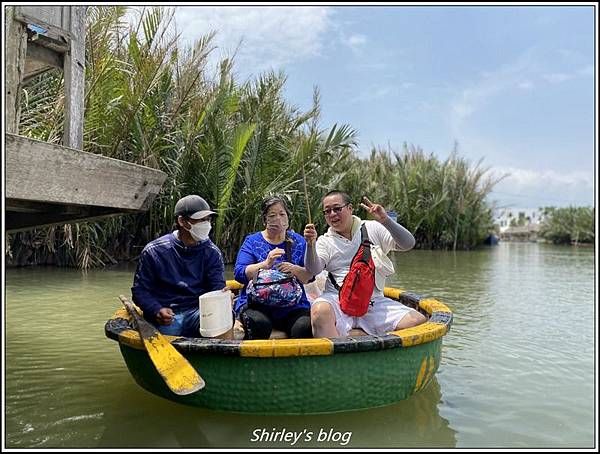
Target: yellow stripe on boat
[[425, 373], [393, 293], [421, 374], [431, 305], [430, 371], [286, 347], [421, 334]]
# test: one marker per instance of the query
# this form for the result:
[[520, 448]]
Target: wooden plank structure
[[46, 183]]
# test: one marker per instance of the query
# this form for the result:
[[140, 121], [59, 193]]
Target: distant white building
[[507, 217]]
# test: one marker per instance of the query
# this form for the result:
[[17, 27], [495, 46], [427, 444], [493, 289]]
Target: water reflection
[[517, 367], [150, 421]]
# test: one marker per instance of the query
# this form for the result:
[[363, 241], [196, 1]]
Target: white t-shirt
[[337, 251]]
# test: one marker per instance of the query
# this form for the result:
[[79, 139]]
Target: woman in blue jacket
[[267, 250]]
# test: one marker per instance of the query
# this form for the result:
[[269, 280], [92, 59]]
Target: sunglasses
[[337, 210]]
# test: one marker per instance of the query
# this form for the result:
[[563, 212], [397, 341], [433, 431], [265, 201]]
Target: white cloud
[[379, 66], [270, 37], [355, 42], [525, 85], [525, 178], [471, 100], [557, 78], [567, 53], [524, 73], [526, 187], [585, 71], [379, 91], [491, 83]]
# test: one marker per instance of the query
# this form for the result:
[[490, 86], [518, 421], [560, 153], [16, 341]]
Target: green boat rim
[[119, 328]]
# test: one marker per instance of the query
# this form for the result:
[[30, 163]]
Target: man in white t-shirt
[[334, 251]]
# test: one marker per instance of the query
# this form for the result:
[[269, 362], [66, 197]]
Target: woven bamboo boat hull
[[299, 376]]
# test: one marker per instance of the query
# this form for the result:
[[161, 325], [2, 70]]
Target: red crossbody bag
[[359, 283]]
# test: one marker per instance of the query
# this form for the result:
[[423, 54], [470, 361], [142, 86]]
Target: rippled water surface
[[517, 366]]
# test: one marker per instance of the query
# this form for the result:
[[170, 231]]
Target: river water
[[517, 369]]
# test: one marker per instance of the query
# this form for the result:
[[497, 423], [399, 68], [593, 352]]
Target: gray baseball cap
[[193, 206]]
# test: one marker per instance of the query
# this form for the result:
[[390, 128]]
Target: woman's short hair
[[269, 201]]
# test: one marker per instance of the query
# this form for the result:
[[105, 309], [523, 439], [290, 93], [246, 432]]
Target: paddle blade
[[176, 371]]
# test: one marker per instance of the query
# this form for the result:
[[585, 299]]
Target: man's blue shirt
[[171, 274]]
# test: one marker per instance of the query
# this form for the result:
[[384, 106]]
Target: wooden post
[[74, 71], [15, 52]]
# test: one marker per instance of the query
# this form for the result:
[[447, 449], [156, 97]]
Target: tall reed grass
[[151, 101]]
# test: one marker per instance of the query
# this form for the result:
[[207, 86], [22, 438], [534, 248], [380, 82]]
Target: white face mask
[[200, 230], [277, 222], [279, 225]]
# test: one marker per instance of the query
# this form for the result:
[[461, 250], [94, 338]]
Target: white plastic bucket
[[215, 313]]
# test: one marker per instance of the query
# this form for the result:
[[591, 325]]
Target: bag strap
[[288, 248], [366, 255], [366, 242], [284, 280], [364, 235], [335, 284]]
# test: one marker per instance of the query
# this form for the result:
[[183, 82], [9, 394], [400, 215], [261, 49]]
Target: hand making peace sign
[[374, 209]]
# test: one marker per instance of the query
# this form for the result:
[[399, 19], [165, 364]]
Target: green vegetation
[[154, 103], [441, 203], [570, 225]]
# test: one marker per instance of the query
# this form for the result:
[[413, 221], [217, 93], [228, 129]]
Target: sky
[[512, 86]]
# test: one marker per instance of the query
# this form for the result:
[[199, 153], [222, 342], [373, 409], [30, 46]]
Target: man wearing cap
[[175, 269], [334, 252]]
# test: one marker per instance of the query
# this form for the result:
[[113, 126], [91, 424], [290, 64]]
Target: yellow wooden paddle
[[176, 371]]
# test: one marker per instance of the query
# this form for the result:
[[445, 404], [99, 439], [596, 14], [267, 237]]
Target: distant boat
[[299, 376], [491, 240]]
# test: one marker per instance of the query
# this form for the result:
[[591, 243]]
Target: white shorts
[[383, 315]]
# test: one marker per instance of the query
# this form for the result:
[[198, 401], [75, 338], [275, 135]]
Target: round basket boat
[[299, 376]]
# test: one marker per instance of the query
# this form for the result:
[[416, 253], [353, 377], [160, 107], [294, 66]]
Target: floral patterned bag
[[274, 288]]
